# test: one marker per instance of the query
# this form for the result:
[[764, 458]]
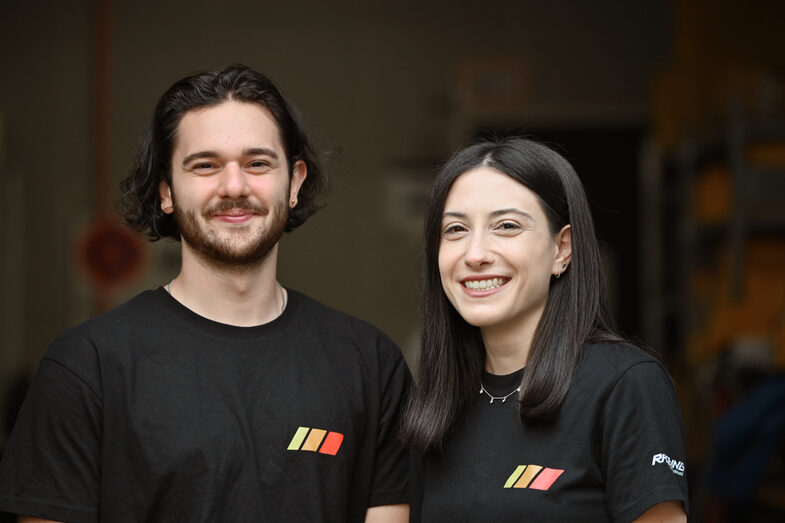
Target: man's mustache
[[228, 205]]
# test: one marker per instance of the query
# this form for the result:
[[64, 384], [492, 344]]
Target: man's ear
[[299, 174], [563, 250], [165, 192]]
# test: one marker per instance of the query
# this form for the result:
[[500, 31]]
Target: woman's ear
[[563, 251], [165, 192]]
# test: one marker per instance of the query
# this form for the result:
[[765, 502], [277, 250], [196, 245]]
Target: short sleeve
[[390, 483], [50, 468], [642, 442]]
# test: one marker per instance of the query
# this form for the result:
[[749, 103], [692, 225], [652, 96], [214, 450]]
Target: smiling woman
[[496, 258], [514, 309]]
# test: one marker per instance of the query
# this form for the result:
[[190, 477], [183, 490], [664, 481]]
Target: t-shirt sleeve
[[643, 442], [50, 468], [391, 468]]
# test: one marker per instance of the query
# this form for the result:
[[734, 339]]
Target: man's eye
[[259, 164], [203, 168]]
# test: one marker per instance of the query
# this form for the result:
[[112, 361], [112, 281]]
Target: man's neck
[[240, 296]]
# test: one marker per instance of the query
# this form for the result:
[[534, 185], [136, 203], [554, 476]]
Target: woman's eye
[[454, 229], [509, 226]]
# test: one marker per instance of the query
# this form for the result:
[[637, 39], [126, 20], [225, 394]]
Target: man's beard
[[239, 250]]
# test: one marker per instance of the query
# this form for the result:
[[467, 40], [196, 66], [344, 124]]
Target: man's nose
[[234, 182]]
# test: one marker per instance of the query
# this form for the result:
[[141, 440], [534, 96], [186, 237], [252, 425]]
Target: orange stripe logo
[[316, 440], [533, 477]]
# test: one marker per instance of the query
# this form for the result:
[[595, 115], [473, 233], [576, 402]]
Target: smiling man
[[222, 395]]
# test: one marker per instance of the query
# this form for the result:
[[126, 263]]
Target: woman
[[528, 406]]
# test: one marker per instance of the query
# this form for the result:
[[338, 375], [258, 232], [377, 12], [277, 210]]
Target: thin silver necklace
[[283, 296], [494, 398]]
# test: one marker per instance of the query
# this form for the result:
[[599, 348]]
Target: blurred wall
[[379, 84]]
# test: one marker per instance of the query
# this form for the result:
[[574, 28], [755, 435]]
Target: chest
[[235, 417], [496, 469]]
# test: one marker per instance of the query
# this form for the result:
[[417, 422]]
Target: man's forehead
[[239, 119]]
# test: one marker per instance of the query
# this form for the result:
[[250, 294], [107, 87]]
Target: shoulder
[[314, 315], [346, 338], [83, 341], [618, 357], [606, 365], [637, 431], [80, 352], [134, 311], [311, 306]]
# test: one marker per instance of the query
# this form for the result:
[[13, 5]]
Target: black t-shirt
[[153, 413], [615, 449]]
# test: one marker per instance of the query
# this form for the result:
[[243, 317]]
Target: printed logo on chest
[[316, 440], [533, 477]]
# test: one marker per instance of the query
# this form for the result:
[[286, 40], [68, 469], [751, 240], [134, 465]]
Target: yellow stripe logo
[[316, 440], [533, 477]]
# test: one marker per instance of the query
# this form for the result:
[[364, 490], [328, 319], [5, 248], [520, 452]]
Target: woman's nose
[[478, 251]]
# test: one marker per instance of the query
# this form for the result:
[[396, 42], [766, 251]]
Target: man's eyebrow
[[201, 154], [248, 151], [253, 151]]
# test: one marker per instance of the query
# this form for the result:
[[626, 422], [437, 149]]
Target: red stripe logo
[[316, 440], [533, 477]]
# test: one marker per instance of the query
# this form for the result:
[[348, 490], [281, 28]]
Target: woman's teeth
[[484, 285]]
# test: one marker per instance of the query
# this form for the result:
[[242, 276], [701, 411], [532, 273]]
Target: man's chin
[[235, 255], [236, 248]]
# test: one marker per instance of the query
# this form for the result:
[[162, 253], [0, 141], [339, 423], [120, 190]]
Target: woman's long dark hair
[[452, 353]]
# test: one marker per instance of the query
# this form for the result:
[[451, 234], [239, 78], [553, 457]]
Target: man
[[221, 396]]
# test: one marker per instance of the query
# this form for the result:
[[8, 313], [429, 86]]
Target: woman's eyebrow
[[453, 214], [514, 211]]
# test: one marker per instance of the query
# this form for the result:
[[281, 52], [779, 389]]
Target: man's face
[[231, 191]]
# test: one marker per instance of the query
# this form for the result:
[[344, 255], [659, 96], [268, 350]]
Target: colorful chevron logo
[[533, 477], [309, 439]]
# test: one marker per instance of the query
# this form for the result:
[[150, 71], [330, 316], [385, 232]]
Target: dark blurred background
[[673, 113]]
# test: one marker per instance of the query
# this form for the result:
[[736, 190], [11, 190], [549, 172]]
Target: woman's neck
[[507, 346]]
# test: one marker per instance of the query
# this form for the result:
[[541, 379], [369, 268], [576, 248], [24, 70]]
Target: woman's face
[[496, 253]]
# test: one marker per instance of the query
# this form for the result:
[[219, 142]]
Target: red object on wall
[[111, 254]]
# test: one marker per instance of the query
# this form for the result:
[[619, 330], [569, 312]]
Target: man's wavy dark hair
[[139, 202]]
